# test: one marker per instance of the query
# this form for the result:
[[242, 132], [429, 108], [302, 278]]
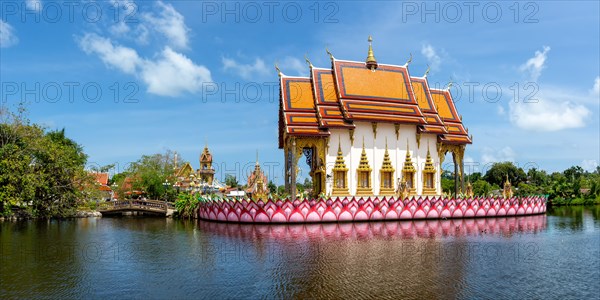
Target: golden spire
[[340, 164], [364, 160], [387, 163], [408, 166], [429, 162], [371, 61]]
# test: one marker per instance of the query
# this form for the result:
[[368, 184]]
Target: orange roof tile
[[101, 178], [434, 123]]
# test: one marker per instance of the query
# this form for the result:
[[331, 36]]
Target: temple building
[[201, 180], [257, 185], [369, 129]]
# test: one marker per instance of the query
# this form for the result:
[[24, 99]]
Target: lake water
[[552, 256]]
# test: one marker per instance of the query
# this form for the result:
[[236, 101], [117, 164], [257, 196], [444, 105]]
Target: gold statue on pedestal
[[469, 190], [507, 191], [403, 190]]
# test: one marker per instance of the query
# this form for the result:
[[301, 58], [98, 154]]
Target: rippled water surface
[[553, 256]]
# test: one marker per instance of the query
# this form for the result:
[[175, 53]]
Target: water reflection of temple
[[366, 230], [412, 259]]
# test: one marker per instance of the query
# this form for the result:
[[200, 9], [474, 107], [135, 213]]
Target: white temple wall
[[375, 149]]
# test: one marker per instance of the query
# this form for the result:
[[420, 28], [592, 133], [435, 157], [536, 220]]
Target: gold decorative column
[[408, 172], [386, 186], [363, 172], [340, 175], [429, 176]]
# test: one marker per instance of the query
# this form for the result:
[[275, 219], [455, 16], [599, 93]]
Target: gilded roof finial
[[427, 71], [310, 65], [409, 60], [329, 53], [371, 61], [449, 84], [278, 70]]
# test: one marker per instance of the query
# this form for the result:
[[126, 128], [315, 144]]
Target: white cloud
[[170, 23], [501, 110], [299, 67], [246, 71], [596, 89], [548, 115], [34, 5], [549, 108], [536, 64], [119, 29], [435, 61], [7, 35], [173, 73], [490, 155], [122, 58], [589, 165], [170, 74]]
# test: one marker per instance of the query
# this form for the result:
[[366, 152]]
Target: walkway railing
[[135, 205]]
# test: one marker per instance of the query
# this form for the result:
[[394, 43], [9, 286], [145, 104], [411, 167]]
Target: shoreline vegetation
[[43, 175]]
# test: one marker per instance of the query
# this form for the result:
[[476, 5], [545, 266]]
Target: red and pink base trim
[[353, 209]]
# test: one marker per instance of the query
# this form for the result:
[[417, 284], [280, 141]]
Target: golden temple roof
[[350, 91]]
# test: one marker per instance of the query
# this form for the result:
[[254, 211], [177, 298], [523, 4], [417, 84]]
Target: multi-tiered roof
[[365, 91]]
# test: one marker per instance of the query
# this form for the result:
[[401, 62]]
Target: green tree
[[481, 188], [281, 191], [186, 205], [498, 172], [307, 183], [231, 181], [149, 174], [474, 177], [41, 171], [537, 177], [272, 188], [448, 185]]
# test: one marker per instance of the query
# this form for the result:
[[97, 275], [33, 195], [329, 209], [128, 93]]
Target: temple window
[[408, 172], [340, 175], [387, 174], [364, 175], [428, 176]]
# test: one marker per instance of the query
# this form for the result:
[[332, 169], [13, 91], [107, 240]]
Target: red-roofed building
[[366, 128], [102, 183]]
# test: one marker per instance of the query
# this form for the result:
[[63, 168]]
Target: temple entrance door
[[317, 188], [316, 169]]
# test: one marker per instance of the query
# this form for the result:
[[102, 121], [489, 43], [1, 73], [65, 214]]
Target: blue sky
[[127, 78]]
